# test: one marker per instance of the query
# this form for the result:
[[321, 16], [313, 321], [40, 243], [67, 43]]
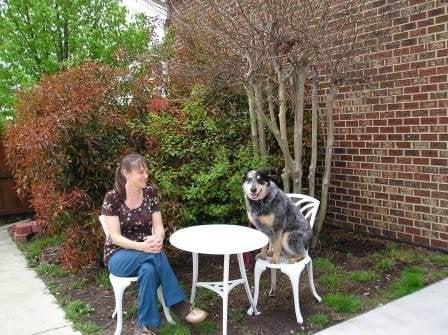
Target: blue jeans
[[152, 270]]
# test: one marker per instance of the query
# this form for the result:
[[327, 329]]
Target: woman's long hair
[[128, 163]]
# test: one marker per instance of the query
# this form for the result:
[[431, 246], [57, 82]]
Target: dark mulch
[[346, 250]]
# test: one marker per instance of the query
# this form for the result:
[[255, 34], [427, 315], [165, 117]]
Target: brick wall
[[390, 167], [390, 173]]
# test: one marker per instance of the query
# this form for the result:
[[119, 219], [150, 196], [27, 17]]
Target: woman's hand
[[152, 244]]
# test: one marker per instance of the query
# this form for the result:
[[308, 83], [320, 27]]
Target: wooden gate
[[9, 201]]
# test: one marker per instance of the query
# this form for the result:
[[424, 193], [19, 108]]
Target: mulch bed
[[347, 250]]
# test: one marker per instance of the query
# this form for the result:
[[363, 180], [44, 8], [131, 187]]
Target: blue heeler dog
[[273, 212]]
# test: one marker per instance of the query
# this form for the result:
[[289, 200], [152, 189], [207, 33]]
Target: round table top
[[218, 239]]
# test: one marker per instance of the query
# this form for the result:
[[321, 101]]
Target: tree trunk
[[282, 144], [314, 113], [260, 120], [282, 122], [253, 120], [298, 84], [327, 169], [271, 103]]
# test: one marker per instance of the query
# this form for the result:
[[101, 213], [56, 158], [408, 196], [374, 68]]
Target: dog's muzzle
[[254, 195]]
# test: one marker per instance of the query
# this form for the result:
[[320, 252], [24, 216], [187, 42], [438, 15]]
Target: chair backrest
[[103, 224], [308, 206]]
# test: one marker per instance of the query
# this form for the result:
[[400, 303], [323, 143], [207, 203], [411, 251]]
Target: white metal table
[[220, 239]]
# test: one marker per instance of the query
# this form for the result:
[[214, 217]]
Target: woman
[[134, 245]]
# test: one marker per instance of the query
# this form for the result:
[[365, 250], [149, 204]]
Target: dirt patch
[[347, 251]]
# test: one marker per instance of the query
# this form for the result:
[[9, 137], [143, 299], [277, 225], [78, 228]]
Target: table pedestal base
[[223, 288]]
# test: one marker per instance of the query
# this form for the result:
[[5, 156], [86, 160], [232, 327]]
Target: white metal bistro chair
[[119, 285], [309, 207]]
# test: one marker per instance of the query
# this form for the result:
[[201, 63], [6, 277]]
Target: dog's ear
[[244, 177], [267, 172]]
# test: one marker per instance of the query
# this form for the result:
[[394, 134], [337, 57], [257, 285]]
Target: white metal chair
[[309, 207], [119, 285]]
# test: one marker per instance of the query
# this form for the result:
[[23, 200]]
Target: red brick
[[20, 237], [439, 244], [23, 228]]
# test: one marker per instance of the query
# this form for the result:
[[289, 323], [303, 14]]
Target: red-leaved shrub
[[69, 134]]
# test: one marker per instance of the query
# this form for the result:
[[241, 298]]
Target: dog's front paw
[[295, 259], [275, 260], [261, 255]]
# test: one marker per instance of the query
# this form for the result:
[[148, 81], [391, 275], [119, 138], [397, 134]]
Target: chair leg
[[166, 310], [273, 282], [119, 288], [259, 269], [294, 277], [309, 269]]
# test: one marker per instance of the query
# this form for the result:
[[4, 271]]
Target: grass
[[384, 264], [36, 245], [237, 315], [440, 259], [324, 265], [207, 327], [203, 297], [51, 270], [102, 279], [77, 312], [176, 329], [132, 312], [411, 280], [343, 303], [79, 283], [319, 320], [89, 328], [331, 281], [363, 276]]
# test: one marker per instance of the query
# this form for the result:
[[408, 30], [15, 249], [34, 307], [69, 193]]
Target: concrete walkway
[[421, 313], [26, 306]]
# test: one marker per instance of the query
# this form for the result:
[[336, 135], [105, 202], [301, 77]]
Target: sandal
[[196, 315], [189, 313]]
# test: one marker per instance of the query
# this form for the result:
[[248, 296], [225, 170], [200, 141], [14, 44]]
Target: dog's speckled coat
[[271, 211]]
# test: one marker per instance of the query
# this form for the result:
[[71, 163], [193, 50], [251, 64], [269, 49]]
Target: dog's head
[[256, 184]]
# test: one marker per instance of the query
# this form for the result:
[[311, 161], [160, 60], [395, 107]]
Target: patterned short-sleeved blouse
[[135, 223]]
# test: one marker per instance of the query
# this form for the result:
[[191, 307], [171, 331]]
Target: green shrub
[[200, 158]]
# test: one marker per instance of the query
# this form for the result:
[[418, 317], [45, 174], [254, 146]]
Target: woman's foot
[[196, 315], [189, 313]]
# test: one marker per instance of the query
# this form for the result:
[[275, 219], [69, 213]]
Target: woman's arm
[[157, 225], [113, 227]]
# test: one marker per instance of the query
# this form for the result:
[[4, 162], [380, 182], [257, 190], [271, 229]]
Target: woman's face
[[137, 176]]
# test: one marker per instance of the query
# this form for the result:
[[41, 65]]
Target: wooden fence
[[9, 201]]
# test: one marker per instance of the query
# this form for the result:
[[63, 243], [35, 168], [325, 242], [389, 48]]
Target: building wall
[[390, 172]]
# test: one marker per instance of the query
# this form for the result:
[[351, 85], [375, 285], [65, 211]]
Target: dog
[[271, 211]]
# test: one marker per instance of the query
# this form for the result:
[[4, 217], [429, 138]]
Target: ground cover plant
[[345, 272]]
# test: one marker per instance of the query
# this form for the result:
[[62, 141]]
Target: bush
[[68, 135], [200, 157]]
